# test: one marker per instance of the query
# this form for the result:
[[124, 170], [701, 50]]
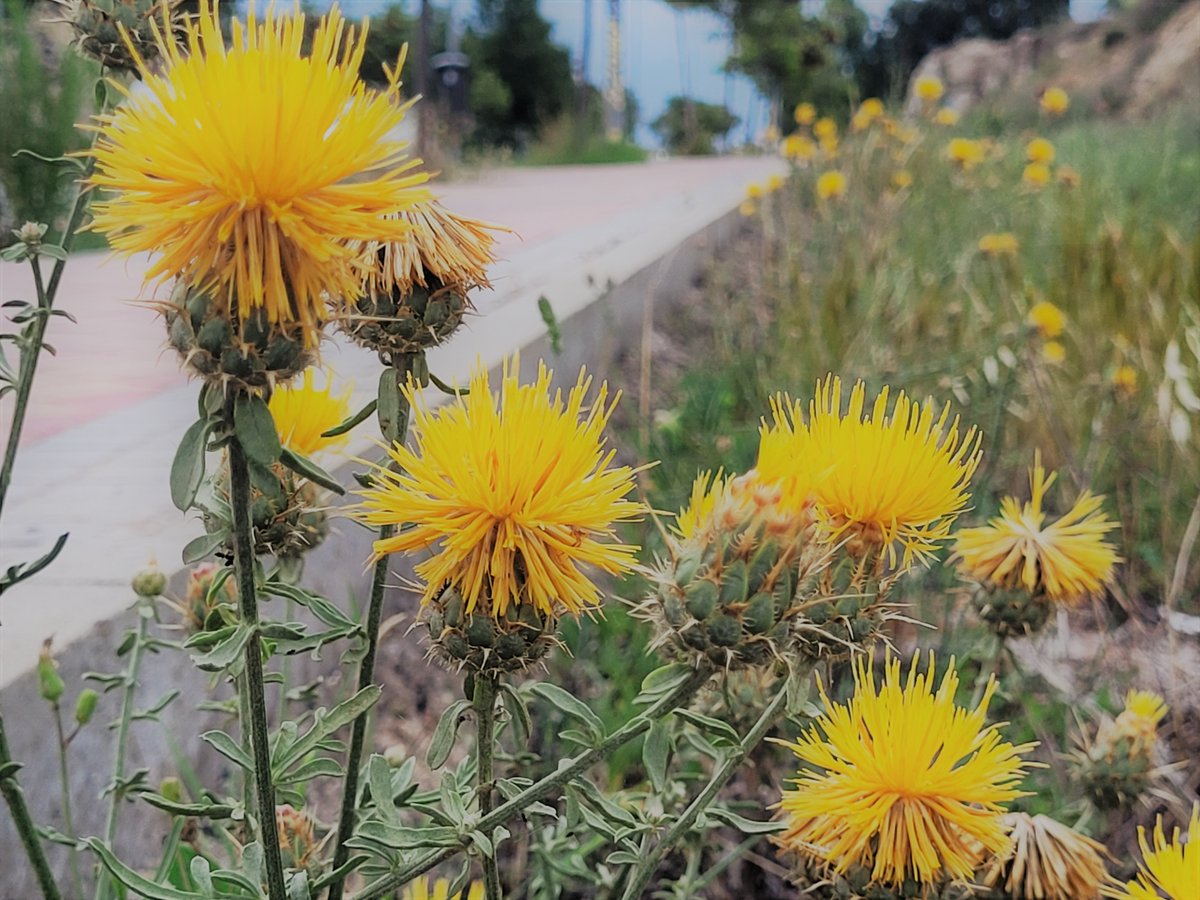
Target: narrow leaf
[[444, 734], [571, 705], [256, 429], [656, 751], [229, 748], [187, 470], [306, 468]]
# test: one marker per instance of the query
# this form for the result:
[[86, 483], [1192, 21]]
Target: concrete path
[[108, 410]]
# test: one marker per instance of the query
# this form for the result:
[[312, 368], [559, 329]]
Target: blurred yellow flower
[[965, 152], [825, 128], [872, 108], [798, 147], [1125, 380], [829, 147], [892, 479], [754, 191], [303, 413], [805, 113], [1036, 174], [1170, 868], [1039, 150], [252, 193], [513, 493], [1054, 352], [1047, 860], [747, 208], [774, 183], [902, 780], [902, 179], [860, 121], [1047, 318], [1055, 101], [1067, 560], [929, 89], [831, 184], [946, 116], [420, 890], [1002, 243]]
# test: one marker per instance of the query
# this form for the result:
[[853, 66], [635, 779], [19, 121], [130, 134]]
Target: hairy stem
[[243, 561], [640, 877], [26, 830], [509, 810], [484, 702]]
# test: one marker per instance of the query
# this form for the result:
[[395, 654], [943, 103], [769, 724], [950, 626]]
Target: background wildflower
[[831, 185], [1054, 101], [929, 89], [1169, 868]]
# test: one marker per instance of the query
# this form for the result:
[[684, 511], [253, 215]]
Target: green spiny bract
[[393, 324], [818, 880], [844, 611], [479, 642], [285, 511], [250, 356], [1115, 774], [1013, 613], [102, 28]]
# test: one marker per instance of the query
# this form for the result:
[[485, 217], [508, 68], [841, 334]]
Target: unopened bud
[[31, 233], [150, 581], [85, 706], [50, 683]]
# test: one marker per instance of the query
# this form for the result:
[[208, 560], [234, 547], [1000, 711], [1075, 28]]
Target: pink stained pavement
[[115, 355]]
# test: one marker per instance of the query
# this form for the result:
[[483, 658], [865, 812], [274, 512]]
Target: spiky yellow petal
[[903, 780], [1169, 869], [302, 413], [247, 168], [1067, 560], [513, 493]]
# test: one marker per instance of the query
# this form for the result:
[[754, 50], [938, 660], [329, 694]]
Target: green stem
[[243, 696], [104, 881], [640, 877], [10, 788], [484, 702], [366, 670], [243, 562], [64, 782], [509, 810]]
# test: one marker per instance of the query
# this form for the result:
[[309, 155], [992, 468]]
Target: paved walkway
[[108, 410]]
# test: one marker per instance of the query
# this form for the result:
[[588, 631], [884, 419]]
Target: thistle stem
[[26, 830], [640, 877], [366, 670], [484, 702], [243, 562], [509, 810], [104, 881], [64, 783]]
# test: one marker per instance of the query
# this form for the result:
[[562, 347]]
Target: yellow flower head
[[1039, 150], [831, 185], [825, 128], [774, 183], [513, 493], [1003, 243], [420, 890], [1047, 318], [1125, 380], [805, 113], [903, 780], [754, 191], [453, 250], [1169, 868], [965, 152], [929, 89], [888, 478], [1138, 721], [902, 179], [946, 116], [798, 147], [872, 108], [829, 147], [1036, 174], [1054, 352], [1046, 860], [1055, 101], [247, 168], [1066, 560], [303, 413]]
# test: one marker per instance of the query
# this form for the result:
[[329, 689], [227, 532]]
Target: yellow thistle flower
[[829, 147], [946, 116], [1138, 721], [904, 781], [798, 147], [706, 489], [899, 478], [831, 185], [454, 250], [871, 108], [805, 113], [1036, 174], [965, 152], [1066, 560], [1003, 243], [754, 191], [420, 890], [929, 89], [1055, 101], [253, 192], [512, 492], [902, 179], [825, 128], [1125, 380], [303, 413], [1047, 318], [1046, 861], [1054, 352], [1169, 868], [774, 183], [1039, 150]]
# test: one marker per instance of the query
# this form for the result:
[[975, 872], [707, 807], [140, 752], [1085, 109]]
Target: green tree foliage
[[390, 30], [689, 127], [41, 96]]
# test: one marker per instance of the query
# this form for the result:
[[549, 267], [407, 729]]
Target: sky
[[652, 35]]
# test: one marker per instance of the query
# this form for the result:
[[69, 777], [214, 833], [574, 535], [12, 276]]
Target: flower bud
[[85, 706], [150, 581], [50, 683], [31, 233]]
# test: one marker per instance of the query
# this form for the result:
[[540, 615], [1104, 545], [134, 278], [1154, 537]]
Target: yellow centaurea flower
[[804, 114], [1047, 318], [904, 781], [1039, 150], [902, 179], [929, 89], [1125, 380], [754, 191], [798, 147], [825, 128], [1036, 174], [255, 194], [1169, 868], [1138, 721], [1066, 560], [1054, 352], [872, 108], [1002, 243], [304, 412], [946, 116], [1055, 101], [831, 185], [513, 493], [774, 183], [966, 152], [899, 478]]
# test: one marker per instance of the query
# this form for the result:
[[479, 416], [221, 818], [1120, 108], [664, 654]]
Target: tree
[[689, 127]]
